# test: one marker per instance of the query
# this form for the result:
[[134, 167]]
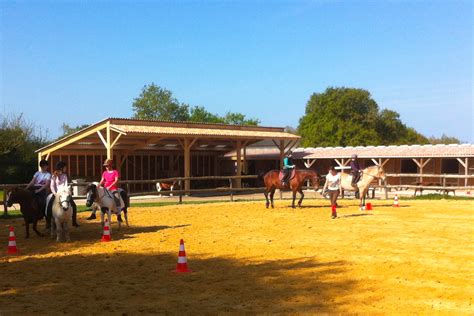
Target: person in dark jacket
[[355, 170]]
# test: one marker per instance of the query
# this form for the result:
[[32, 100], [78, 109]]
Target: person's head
[[290, 154], [108, 163], [354, 157], [332, 170], [60, 167], [44, 164]]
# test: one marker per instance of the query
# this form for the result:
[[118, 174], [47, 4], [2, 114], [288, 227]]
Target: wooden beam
[[385, 161], [73, 139], [309, 163], [417, 163], [115, 140], [461, 162], [102, 138], [426, 162], [375, 162]]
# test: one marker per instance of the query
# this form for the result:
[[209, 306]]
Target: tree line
[[339, 116]]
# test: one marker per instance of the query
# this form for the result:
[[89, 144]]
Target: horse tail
[[125, 198]]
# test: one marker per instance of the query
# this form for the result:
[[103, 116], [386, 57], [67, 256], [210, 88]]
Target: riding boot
[[49, 212], [92, 216]]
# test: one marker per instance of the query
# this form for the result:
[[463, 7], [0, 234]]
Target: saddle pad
[[292, 175]]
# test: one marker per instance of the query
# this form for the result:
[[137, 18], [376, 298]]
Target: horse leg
[[125, 214], [267, 202], [52, 229], [27, 229], [66, 231], [272, 193], [59, 229], [35, 222], [300, 191], [294, 198]]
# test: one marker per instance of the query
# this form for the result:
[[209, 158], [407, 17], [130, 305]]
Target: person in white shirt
[[39, 184], [333, 182], [59, 181]]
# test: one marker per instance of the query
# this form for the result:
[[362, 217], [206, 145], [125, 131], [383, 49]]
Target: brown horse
[[30, 208], [273, 182]]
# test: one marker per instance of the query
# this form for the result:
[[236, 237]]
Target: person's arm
[[102, 180], [325, 184], [29, 185], [44, 186], [52, 186]]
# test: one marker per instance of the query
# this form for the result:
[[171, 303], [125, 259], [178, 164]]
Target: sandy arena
[[246, 259]]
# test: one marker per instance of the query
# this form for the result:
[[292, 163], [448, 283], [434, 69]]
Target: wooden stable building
[[452, 159], [148, 149]]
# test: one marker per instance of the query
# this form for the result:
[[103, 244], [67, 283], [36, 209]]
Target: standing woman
[[333, 181], [39, 184], [109, 180], [59, 181]]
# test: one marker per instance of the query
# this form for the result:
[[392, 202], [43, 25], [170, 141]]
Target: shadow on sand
[[137, 283]]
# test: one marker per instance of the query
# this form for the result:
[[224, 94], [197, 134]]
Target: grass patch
[[439, 197]]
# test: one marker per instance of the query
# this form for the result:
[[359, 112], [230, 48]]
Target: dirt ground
[[246, 259]]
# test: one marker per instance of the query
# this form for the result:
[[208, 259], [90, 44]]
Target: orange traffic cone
[[368, 207], [395, 201], [182, 265], [106, 234], [12, 243]]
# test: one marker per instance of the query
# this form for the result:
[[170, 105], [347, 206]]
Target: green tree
[[200, 114], [444, 139], [350, 117], [340, 117], [155, 102], [235, 118], [18, 142], [68, 129]]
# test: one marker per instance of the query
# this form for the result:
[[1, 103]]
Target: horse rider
[[288, 165], [109, 180], [59, 181], [39, 184], [355, 170]]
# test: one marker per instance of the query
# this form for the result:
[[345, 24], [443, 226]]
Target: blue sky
[[81, 61]]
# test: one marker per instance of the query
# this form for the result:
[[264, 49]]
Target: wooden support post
[[187, 164], [109, 144], [282, 152], [465, 165], [180, 192], [230, 191], [238, 182]]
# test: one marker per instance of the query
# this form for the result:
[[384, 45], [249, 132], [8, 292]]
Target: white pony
[[368, 175], [105, 200], [62, 215]]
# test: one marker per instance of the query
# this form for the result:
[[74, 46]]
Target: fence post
[[180, 192], [231, 193], [444, 184], [5, 208]]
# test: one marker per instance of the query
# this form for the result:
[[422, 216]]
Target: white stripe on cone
[[181, 247], [182, 260], [11, 243]]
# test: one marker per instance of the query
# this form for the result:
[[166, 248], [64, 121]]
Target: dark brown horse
[[273, 182], [30, 208]]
